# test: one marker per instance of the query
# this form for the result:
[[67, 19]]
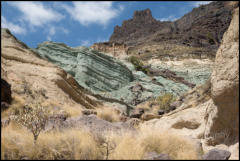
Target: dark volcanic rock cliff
[[141, 25], [202, 27]]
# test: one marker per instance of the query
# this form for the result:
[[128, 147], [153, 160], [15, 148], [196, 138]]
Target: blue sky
[[80, 23]]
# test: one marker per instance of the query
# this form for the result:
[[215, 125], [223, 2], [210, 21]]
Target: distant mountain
[[202, 27]]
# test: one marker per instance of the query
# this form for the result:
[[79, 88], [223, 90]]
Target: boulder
[[89, 112], [217, 154], [4, 106], [155, 156], [93, 123], [149, 116], [133, 122], [56, 120], [161, 112], [137, 113], [6, 94], [175, 104]]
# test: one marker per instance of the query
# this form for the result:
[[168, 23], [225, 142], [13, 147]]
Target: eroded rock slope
[[37, 80]]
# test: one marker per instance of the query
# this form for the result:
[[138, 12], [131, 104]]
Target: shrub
[[138, 64], [210, 38], [108, 114], [165, 100], [34, 119]]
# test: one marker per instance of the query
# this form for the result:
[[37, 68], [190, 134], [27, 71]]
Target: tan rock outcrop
[[224, 113], [37, 80], [118, 50]]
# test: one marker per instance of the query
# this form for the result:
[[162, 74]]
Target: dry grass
[[127, 146], [17, 143], [162, 142], [135, 146], [17, 104], [108, 114], [70, 110]]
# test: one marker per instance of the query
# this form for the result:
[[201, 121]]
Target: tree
[[34, 118]]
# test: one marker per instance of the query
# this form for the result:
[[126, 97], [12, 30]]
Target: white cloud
[[169, 18], [85, 43], [101, 39], [198, 3], [51, 32], [121, 7], [93, 12], [65, 31], [49, 38], [12, 27], [36, 13]]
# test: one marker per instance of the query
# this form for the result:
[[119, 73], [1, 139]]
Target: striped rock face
[[93, 70]]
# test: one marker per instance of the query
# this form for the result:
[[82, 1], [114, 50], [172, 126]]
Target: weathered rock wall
[[223, 115], [113, 49], [93, 70]]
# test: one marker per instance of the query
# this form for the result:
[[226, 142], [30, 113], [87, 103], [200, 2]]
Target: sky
[[80, 23]]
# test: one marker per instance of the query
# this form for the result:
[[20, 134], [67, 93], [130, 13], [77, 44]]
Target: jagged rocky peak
[[141, 25], [143, 15]]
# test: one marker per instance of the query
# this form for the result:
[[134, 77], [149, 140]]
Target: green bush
[[138, 64], [210, 38], [165, 100]]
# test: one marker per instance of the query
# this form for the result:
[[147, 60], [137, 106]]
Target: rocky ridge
[[92, 69], [117, 80], [192, 29], [34, 79], [196, 35]]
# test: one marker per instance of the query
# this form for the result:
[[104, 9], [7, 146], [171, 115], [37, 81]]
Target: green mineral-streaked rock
[[92, 70], [106, 76], [194, 73]]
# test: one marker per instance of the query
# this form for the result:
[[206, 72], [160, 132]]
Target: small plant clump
[[210, 38], [138, 64], [108, 114], [33, 118], [165, 100]]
